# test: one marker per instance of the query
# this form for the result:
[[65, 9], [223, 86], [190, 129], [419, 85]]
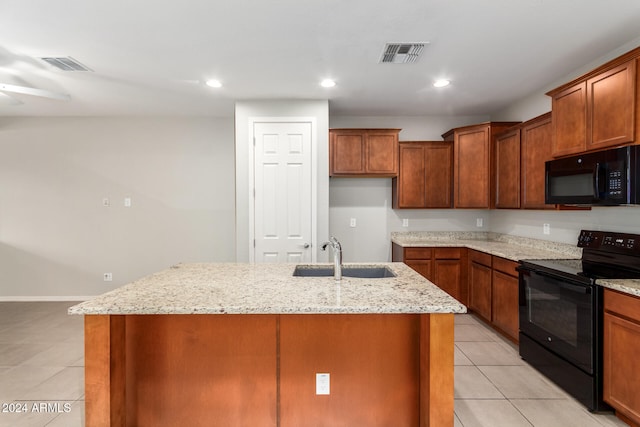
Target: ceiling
[[152, 57]]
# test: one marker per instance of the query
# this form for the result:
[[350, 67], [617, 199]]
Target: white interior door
[[283, 189]]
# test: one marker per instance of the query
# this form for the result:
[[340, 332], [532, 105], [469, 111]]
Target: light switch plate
[[405, 222], [546, 229], [352, 222], [323, 384]]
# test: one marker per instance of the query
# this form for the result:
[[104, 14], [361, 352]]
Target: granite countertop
[[513, 248], [236, 288]]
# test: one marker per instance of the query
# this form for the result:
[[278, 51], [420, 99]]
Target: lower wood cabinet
[[493, 291], [621, 370], [445, 267], [480, 284]]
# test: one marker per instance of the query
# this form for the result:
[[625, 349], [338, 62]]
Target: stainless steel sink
[[362, 271]]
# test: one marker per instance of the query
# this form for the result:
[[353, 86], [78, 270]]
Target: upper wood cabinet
[[508, 169], [473, 172], [598, 110], [535, 150], [363, 152], [521, 153], [424, 175]]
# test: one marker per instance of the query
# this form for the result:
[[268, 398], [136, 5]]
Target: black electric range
[[561, 311]]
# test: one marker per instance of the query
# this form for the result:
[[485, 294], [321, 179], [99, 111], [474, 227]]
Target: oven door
[[559, 314]]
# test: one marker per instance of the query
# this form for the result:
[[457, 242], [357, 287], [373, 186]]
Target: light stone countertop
[[513, 248], [237, 288], [628, 286]]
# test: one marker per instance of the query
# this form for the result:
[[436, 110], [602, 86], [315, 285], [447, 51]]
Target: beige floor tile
[[62, 354], [487, 353], [470, 383], [489, 413], [16, 381], [459, 357], [465, 319], [28, 419], [68, 384], [556, 413], [468, 332], [522, 382], [74, 418]]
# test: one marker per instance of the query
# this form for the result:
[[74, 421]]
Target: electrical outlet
[[106, 202], [127, 202], [405, 222], [546, 229], [323, 384], [107, 277], [479, 222], [352, 222]]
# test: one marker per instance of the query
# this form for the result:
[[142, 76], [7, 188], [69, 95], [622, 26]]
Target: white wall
[[56, 238], [317, 109], [368, 200]]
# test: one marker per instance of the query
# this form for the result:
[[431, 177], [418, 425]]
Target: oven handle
[[563, 283]]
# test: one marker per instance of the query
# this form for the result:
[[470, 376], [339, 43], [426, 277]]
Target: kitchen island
[[242, 344]]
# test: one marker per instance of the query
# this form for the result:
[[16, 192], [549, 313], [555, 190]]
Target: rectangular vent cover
[[402, 53], [66, 63]]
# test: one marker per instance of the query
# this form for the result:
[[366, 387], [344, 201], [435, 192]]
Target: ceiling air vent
[[66, 63], [401, 53]]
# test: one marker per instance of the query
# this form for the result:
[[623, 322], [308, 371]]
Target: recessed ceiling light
[[214, 83], [441, 83], [327, 83]]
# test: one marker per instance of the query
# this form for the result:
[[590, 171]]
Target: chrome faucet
[[337, 256]]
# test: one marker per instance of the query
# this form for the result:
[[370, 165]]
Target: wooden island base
[[260, 370]]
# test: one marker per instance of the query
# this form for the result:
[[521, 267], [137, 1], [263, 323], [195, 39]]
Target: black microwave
[[603, 178]]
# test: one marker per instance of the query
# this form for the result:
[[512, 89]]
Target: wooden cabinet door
[[410, 186], [480, 289], [381, 153], [347, 152], [422, 266], [611, 107], [535, 149], [621, 370], [472, 165], [447, 275], [438, 179], [508, 170], [505, 303], [569, 122]]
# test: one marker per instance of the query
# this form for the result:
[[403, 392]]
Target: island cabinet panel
[[621, 365], [363, 152], [424, 175], [373, 362], [201, 370]]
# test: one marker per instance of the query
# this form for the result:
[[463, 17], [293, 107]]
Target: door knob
[[306, 246]]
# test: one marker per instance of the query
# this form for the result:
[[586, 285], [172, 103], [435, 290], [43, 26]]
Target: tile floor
[[41, 366]]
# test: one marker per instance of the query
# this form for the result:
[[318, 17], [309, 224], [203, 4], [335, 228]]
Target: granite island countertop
[[240, 288]]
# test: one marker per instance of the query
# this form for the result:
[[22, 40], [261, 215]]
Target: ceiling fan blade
[[34, 92], [9, 100]]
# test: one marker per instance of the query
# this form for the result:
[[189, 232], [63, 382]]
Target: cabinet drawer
[[417, 253], [447, 253], [480, 258], [506, 266], [623, 304]]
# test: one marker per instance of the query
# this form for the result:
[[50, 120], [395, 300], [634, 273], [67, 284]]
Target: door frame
[[314, 179]]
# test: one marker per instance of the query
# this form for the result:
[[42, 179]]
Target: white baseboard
[[19, 298]]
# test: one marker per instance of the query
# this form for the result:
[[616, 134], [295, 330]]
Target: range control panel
[[609, 241]]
